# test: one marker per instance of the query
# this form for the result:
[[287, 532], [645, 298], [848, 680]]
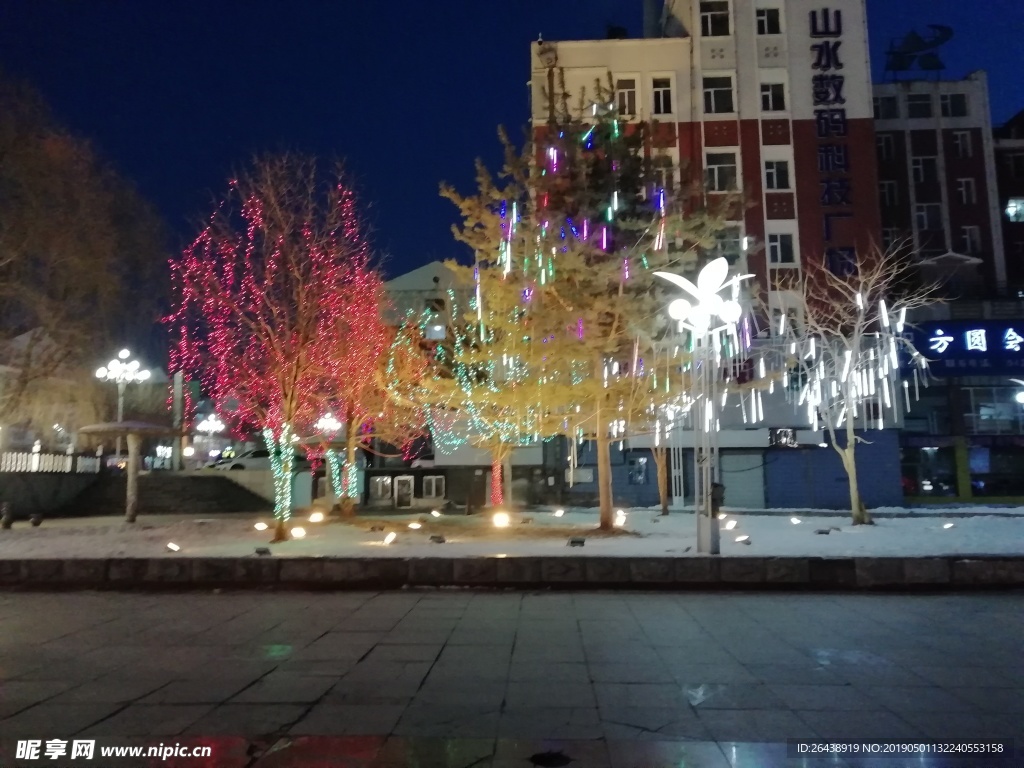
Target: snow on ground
[[644, 533]]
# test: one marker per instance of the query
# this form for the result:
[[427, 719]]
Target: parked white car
[[258, 459]]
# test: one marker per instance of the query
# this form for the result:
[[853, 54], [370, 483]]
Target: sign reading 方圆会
[[962, 348]]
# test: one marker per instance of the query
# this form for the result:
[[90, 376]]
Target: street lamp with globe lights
[[122, 372], [708, 316]]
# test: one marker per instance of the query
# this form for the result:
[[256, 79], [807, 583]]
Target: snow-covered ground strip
[[644, 534]]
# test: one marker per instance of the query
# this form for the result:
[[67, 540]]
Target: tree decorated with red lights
[[277, 282]]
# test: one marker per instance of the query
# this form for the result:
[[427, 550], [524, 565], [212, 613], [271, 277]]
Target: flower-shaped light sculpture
[[707, 302], [328, 424], [211, 425], [122, 372]]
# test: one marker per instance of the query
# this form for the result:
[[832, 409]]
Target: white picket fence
[[18, 461]]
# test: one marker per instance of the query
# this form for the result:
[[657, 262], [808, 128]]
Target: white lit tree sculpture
[[845, 346]]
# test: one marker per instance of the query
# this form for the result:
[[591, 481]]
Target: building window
[[971, 239], [886, 146], [953, 104], [773, 97], [919, 105], [769, 21], [717, 95], [928, 217], [638, 471], [433, 487], [380, 488], [662, 96], [889, 194], [714, 18], [1015, 210], [886, 107], [625, 91], [662, 173], [926, 169], [776, 174], [728, 243], [721, 172], [966, 189], [780, 249], [963, 145], [1016, 165], [890, 235]]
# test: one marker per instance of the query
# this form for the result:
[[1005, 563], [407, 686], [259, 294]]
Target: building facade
[[768, 98], [1009, 151], [937, 181]]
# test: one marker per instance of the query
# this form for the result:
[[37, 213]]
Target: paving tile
[[582, 752], [652, 723], [733, 696], [428, 720], [550, 694], [213, 691], [149, 720], [834, 697], [754, 725], [701, 754], [403, 751], [627, 673], [999, 700], [613, 695], [284, 688], [350, 719], [252, 720], [549, 723], [570, 672], [901, 699], [43, 720], [860, 725]]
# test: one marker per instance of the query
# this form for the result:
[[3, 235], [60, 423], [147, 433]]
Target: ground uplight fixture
[[172, 546], [743, 539], [415, 526], [948, 525], [261, 526], [390, 537], [559, 512], [795, 520], [620, 519], [189, 451], [730, 525], [316, 517], [501, 519], [435, 513], [722, 515], [298, 533]]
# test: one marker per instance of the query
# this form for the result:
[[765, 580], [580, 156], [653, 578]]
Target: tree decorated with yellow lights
[[566, 315]]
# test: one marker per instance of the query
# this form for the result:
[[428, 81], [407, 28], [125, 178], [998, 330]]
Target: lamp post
[[122, 372], [700, 315]]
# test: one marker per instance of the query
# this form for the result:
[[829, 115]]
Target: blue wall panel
[[814, 478]]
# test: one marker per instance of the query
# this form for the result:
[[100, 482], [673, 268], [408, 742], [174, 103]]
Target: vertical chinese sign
[[830, 117]]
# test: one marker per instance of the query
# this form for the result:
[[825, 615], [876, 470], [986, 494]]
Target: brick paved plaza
[[460, 678]]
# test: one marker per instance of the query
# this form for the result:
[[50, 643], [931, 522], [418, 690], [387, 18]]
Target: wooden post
[[131, 510]]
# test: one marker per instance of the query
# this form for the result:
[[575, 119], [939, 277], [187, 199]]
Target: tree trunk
[[506, 479], [858, 511], [281, 453], [131, 509], [661, 461], [350, 472], [604, 478], [497, 498]]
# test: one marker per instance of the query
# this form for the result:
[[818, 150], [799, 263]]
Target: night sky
[[178, 93]]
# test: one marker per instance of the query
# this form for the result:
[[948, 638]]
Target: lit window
[[773, 97], [780, 249], [625, 91], [1015, 209], [919, 105], [953, 104], [714, 18], [776, 174], [718, 95], [380, 488], [769, 21], [662, 96], [721, 172]]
